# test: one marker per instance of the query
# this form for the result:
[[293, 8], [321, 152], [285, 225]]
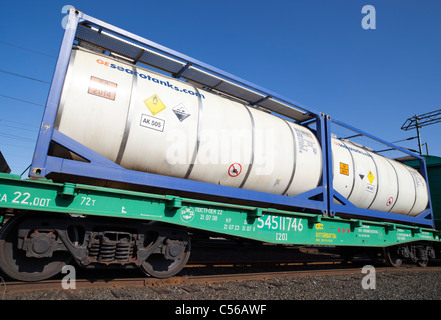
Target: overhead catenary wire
[[22, 100], [27, 49], [15, 127], [23, 76], [16, 145], [27, 125], [14, 136]]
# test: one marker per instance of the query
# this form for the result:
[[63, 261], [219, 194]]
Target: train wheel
[[423, 254], [422, 263], [392, 257], [15, 263], [169, 256]]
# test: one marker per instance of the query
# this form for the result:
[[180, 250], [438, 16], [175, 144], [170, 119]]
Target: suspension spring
[[123, 252], [107, 252]]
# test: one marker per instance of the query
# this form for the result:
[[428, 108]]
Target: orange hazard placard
[[344, 169], [102, 88]]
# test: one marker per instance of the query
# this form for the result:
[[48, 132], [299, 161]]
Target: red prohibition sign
[[389, 201], [234, 170]]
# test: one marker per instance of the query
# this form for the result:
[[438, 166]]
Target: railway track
[[300, 269]]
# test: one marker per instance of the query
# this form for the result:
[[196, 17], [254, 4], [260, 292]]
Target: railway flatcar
[[142, 147]]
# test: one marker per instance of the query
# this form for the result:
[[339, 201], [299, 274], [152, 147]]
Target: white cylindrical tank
[[371, 181], [148, 122]]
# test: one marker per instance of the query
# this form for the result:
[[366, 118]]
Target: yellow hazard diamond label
[[371, 177], [154, 104]]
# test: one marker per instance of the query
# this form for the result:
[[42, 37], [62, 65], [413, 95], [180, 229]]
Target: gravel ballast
[[392, 285]]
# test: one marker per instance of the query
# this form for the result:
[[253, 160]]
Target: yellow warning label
[[319, 226], [154, 104], [344, 169], [371, 177]]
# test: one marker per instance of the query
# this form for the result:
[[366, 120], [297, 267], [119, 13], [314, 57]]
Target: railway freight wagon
[[142, 147]]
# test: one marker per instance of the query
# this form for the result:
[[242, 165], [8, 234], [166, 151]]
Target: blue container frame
[[98, 167], [346, 207]]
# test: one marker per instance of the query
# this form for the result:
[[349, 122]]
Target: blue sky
[[312, 51]]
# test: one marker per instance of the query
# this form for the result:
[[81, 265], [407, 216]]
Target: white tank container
[[371, 181], [148, 122]]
